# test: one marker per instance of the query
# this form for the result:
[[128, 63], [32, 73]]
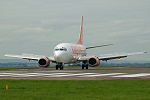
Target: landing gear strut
[[59, 65]]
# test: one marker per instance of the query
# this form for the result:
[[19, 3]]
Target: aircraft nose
[[58, 56]]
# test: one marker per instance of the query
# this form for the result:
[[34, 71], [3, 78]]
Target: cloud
[[40, 25], [3, 39], [118, 22], [36, 29]]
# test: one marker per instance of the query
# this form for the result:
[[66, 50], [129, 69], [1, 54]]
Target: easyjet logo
[[78, 50]]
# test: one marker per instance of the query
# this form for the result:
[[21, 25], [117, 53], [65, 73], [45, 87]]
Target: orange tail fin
[[81, 33]]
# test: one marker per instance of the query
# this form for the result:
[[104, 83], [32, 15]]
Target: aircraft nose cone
[[58, 56]]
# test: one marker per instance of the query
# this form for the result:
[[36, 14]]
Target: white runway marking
[[133, 75], [72, 75], [55, 71], [96, 75], [6, 74]]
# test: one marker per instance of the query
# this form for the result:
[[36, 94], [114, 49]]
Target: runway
[[76, 73]]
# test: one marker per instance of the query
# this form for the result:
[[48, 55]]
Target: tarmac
[[76, 73]]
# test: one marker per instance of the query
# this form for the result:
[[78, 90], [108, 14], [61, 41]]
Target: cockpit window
[[64, 49], [61, 49], [56, 49]]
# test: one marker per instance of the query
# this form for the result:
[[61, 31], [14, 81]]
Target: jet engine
[[43, 62], [94, 61]]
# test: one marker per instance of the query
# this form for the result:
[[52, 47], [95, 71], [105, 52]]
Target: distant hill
[[18, 63]]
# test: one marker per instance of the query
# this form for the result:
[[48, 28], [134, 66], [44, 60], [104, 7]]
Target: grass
[[75, 90]]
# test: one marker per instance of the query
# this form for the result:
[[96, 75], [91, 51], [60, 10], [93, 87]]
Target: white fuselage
[[68, 52]]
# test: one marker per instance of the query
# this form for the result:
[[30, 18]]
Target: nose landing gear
[[60, 65]]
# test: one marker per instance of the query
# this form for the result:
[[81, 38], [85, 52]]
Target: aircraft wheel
[[82, 66], [86, 66], [56, 67], [61, 67]]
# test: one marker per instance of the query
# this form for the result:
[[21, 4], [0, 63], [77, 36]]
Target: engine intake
[[43, 62], [94, 61]]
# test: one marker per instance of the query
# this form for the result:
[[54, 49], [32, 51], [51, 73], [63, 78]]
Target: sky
[[37, 26]]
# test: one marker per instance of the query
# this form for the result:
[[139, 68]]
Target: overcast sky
[[37, 26]]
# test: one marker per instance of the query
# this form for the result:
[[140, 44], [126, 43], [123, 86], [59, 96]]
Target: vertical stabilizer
[[81, 33]]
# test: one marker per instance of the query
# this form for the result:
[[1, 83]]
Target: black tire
[[82, 66], [56, 67], [61, 67], [86, 66]]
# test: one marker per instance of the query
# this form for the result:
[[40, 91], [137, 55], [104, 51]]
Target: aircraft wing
[[106, 57], [30, 56], [118, 56], [98, 46]]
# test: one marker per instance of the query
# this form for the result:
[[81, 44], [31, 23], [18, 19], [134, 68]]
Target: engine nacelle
[[94, 61], [43, 62]]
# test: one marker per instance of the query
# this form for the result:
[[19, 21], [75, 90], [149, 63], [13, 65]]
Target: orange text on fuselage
[[78, 50]]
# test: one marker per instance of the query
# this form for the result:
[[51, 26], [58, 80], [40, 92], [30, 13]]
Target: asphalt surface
[[76, 73]]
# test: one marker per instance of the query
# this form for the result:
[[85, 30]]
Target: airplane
[[70, 53]]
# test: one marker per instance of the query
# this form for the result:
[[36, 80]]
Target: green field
[[75, 90]]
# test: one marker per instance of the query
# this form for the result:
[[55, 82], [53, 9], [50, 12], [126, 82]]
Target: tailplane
[[81, 33]]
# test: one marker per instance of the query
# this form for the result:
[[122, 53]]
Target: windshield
[[61, 49]]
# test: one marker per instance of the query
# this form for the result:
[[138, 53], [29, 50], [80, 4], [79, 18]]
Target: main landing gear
[[60, 65], [85, 66]]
